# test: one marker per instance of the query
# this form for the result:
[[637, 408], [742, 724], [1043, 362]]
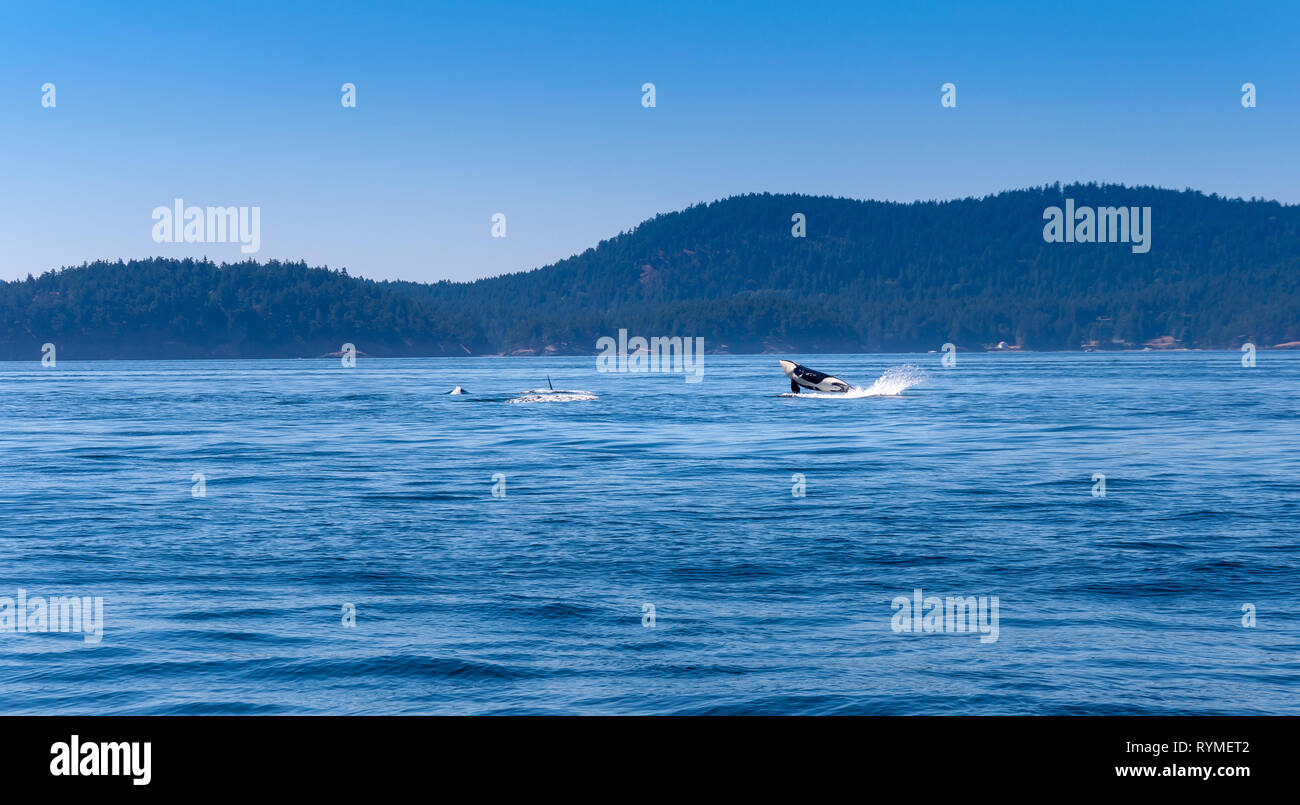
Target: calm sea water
[[327, 486]]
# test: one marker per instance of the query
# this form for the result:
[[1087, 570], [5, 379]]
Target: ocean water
[[325, 487]]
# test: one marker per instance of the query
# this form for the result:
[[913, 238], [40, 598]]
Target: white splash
[[893, 382], [552, 395]]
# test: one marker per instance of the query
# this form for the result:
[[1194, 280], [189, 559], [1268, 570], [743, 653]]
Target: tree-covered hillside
[[868, 276], [193, 309], [883, 276]]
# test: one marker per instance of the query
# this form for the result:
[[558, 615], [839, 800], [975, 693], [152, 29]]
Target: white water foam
[[893, 382], [552, 395]]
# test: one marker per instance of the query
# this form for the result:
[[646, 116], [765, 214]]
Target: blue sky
[[534, 110]]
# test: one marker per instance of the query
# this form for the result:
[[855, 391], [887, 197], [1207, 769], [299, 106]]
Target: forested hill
[[192, 309], [868, 276]]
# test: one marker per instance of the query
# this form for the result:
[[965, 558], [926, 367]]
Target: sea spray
[[891, 383]]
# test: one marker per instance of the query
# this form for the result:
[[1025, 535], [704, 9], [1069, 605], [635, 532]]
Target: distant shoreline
[[363, 357]]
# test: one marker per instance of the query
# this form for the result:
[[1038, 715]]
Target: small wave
[[405, 666], [893, 382], [556, 610]]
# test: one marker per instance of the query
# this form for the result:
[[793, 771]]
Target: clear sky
[[534, 110]]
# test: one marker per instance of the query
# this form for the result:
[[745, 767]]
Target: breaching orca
[[802, 376]]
